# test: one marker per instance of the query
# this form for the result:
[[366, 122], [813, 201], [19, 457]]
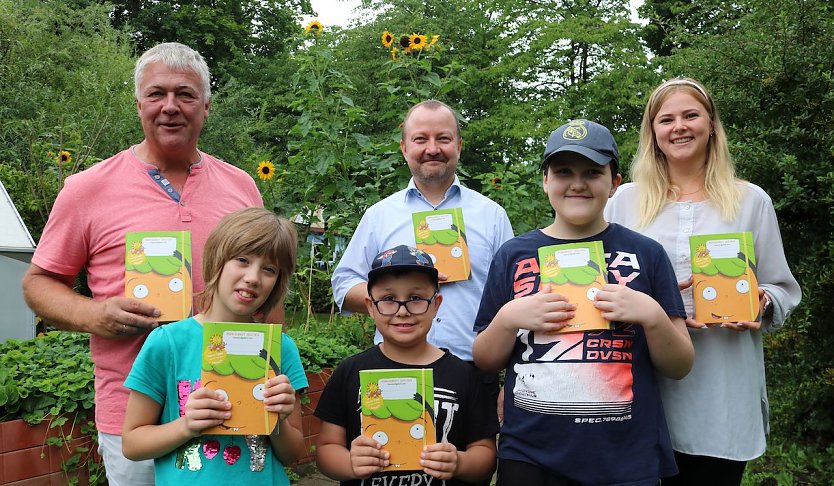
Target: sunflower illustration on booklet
[[577, 271], [441, 234], [158, 271], [398, 412], [237, 360], [724, 285]]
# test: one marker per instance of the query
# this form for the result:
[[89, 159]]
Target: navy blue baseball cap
[[401, 258], [585, 138]]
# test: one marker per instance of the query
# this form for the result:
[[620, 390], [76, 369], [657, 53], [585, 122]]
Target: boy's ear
[[437, 300], [369, 304], [615, 184]]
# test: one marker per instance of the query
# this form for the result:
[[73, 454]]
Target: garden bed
[[42, 455]]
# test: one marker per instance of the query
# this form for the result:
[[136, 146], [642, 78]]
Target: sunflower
[[387, 39], [394, 54], [417, 41], [405, 41], [64, 157], [315, 27], [434, 40], [266, 170]]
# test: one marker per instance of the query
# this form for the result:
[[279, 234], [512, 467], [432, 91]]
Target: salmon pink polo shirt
[[87, 226]]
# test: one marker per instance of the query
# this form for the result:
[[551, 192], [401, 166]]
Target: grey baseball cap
[[585, 138]]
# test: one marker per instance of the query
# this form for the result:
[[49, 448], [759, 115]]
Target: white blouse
[[720, 408]]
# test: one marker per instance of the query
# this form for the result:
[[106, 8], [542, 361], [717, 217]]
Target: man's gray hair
[[177, 56]]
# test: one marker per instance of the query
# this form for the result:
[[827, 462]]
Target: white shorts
[[121, 471]]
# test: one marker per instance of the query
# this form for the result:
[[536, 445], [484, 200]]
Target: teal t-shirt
[[167, 369]]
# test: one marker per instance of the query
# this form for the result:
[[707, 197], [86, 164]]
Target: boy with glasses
[[403, 300]]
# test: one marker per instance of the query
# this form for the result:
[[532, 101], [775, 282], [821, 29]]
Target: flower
[[495, 180], [405, 42], [315, 27], [387, 39], [417, 41], [266, 170], [64, 157], [394, 54], [434, 40]]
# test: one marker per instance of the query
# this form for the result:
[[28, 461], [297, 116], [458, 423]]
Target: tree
[[65, 98], [223, 31], [676, 24]]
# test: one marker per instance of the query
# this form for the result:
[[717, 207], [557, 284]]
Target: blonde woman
[[685, 184]]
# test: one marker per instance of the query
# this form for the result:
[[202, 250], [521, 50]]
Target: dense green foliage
[[64, 86], [51, 375], [325, 343], [325, 109], [51, 379]]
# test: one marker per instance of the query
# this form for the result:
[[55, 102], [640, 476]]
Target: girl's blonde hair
[[650, 170], [254, 231]]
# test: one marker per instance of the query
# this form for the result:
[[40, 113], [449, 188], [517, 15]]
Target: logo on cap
[[575, 130], [385, 259]]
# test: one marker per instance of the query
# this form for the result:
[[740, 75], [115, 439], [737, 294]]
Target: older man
[[431, 144], [164, 183]]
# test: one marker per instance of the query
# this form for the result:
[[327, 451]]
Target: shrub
[[51, 378]]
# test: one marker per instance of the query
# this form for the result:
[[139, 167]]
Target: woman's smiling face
[[682, 129]]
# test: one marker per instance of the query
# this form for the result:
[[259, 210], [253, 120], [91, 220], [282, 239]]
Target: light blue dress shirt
[[388, 223]]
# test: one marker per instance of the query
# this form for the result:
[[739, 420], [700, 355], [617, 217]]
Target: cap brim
[[591, 154], [376, 273]]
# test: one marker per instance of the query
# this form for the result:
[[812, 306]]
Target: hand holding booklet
[[577, 271], [724, 284], [158, 271], [398, 412], [237, 360]]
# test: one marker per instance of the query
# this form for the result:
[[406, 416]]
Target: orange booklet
[[724, 285], [442, 235], [237, 359], [158, 271], [577, 271], [398, 412]]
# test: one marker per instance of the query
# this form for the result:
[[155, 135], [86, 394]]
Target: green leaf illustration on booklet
[[158, 271], [237, 359], [398, 412], [577, 271], [724, 284], [442, 234]]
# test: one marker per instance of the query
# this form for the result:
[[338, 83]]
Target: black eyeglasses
[[415, 306]]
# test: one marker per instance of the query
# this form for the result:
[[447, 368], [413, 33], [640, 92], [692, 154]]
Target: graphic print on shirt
[[446, 406], [587, 375], [191, 454]]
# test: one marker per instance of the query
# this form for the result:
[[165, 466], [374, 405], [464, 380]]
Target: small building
[[17, 321]]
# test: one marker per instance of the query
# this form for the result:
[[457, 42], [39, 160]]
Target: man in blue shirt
[[431, 144]]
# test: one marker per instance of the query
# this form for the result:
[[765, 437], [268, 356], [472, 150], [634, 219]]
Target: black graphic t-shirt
[[463, 412], [585, 405]]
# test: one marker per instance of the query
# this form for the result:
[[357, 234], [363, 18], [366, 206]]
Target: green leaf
[[432, 78]]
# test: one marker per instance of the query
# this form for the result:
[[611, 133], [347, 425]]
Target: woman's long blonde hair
[[650, 170]]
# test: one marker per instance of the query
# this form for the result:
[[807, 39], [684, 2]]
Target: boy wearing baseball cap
[[583, 407], [403, 301]]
